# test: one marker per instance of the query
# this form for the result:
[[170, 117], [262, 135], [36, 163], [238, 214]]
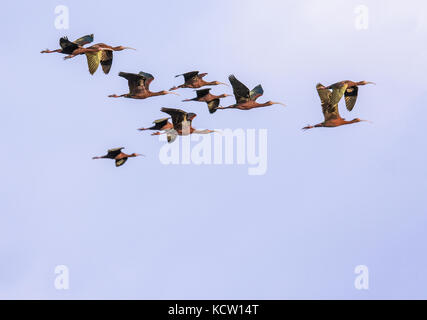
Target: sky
[[331, 199]]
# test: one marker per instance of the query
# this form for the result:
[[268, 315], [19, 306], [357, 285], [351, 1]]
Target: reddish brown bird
[[194, 80], [245, 99], [211, 100], [68, 47], [99, 53], [159, 125], [119, 156], [351, 92], [182, 124], [330, 102], [139, 86]]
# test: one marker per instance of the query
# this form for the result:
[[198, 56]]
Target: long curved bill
[[225, 84], [130, 48], [282, 104], [170, 92]]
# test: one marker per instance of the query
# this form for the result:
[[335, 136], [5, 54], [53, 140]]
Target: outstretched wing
[[178, 116], [160, 123], [213, 105], [256, 92], [120, 162], [241, 92], [106, 60], [135, 82], [148, 78], [93, 60], [330, 111], [337, 93], [188, 75], [67, 46], [84, 40], [350, 96], [203, 92], [112, 153]]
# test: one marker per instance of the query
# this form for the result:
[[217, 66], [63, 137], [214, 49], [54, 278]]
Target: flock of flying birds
[[139, 88]]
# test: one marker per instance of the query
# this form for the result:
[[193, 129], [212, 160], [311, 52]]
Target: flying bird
[[329, 101], [159, 125], [119, 156], [182, 124], [194, 80], [99, 53], [351, 92], [245, 99], [139, 86], [204, 95], [68, 47]]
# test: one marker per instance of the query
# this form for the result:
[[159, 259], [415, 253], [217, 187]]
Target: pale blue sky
[[332, 199]]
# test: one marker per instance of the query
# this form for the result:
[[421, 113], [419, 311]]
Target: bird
[[159, 125], [245, 99], [351, 92], [99, 53], [68, 47], [119, 156], [203, 95], [329, 101], [182, 124], [139, 86], [194, 80]]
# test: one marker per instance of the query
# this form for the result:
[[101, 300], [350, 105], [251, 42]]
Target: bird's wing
[[120, 162], [188, 75], [337, 93], [330, 110], [93, 60], [256, 92], [135, 82], [160, 123], [241, 92], [163, 120], [84, 40], [350, 96], [213, 105], [201, 93], [148, 78], [178, 116], [106, 60], [67, 46], [171, 135], [114, 152]]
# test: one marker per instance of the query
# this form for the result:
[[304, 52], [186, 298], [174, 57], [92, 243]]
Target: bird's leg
[[307, 127], [70, 56], [315, 126], [158, 133], [50, 51], [116, 96], [229, 107]]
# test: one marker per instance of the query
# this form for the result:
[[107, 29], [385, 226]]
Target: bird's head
[[164, 92], [121, 48], [359, 120], [270, 103], [364, 83], [136, 155], [216, 83], [191, 116]]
